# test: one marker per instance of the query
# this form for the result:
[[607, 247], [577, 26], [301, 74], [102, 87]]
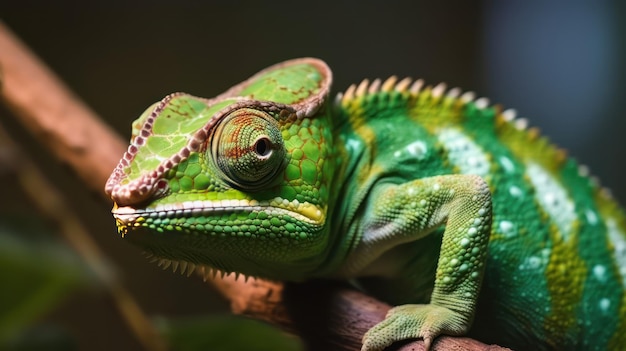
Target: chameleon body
[[430, 199]]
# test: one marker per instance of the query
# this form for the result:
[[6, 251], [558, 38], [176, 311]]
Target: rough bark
[[326, 316]]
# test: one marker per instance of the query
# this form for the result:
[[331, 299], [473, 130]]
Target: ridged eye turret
[[247, 148]]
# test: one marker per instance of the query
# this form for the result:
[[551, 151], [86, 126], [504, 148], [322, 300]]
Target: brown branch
[[54, 115], [327, 317]]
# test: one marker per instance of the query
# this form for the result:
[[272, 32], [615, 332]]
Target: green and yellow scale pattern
[[556, 266], [555, 275]]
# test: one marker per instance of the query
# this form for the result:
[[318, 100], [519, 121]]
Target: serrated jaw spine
[[189, 268]]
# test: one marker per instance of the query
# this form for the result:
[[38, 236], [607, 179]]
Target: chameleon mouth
[[192, 234], [128, 216]]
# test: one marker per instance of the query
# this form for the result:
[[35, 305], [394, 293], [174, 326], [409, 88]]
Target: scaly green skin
[[422, 196]]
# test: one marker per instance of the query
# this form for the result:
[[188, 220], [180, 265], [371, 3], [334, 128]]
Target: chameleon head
[[237, 183]]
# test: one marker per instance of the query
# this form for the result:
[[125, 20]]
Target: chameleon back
[[556, 267]]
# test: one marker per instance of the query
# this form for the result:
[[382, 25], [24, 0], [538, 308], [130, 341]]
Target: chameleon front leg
[[401, 213]]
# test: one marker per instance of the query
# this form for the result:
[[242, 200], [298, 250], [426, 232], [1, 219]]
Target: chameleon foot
[[411, 322]]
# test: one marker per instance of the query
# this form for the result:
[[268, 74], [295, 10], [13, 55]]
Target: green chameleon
[[429, 199]]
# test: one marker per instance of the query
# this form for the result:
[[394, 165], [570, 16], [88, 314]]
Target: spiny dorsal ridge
[[583, 171], [521, 123], [509, 114], [361, 90], [416, 86], [375, 86], [389, 84], [403, 84], [349, 94], [468, 96], [595, 181], [454, 93], [482, 103], [438, 90], [407, 84]]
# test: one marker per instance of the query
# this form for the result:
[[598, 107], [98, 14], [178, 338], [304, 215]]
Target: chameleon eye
[[263, 146], [247, 148]]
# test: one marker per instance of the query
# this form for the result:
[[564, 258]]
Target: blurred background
[[559, 63]]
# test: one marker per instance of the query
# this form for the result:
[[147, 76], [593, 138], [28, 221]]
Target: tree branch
[[54, 115], [327, 317]]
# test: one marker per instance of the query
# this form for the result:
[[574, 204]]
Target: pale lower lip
[[125, 214]]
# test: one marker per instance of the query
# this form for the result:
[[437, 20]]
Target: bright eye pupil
[[262, 147]]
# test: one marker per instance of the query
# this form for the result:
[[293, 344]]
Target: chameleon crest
[[472, 223]]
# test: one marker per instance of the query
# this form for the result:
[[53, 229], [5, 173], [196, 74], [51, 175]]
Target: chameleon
[[451, 209]]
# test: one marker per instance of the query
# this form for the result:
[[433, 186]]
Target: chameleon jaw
[[174, 232]]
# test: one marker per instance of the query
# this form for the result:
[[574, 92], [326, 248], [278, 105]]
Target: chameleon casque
[[430, 199]]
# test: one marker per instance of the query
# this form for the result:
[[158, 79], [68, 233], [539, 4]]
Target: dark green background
[[120, 58]]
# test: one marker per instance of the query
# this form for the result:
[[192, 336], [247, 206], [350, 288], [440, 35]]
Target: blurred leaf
[[42, 338], [36, 273], [225, 333]]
